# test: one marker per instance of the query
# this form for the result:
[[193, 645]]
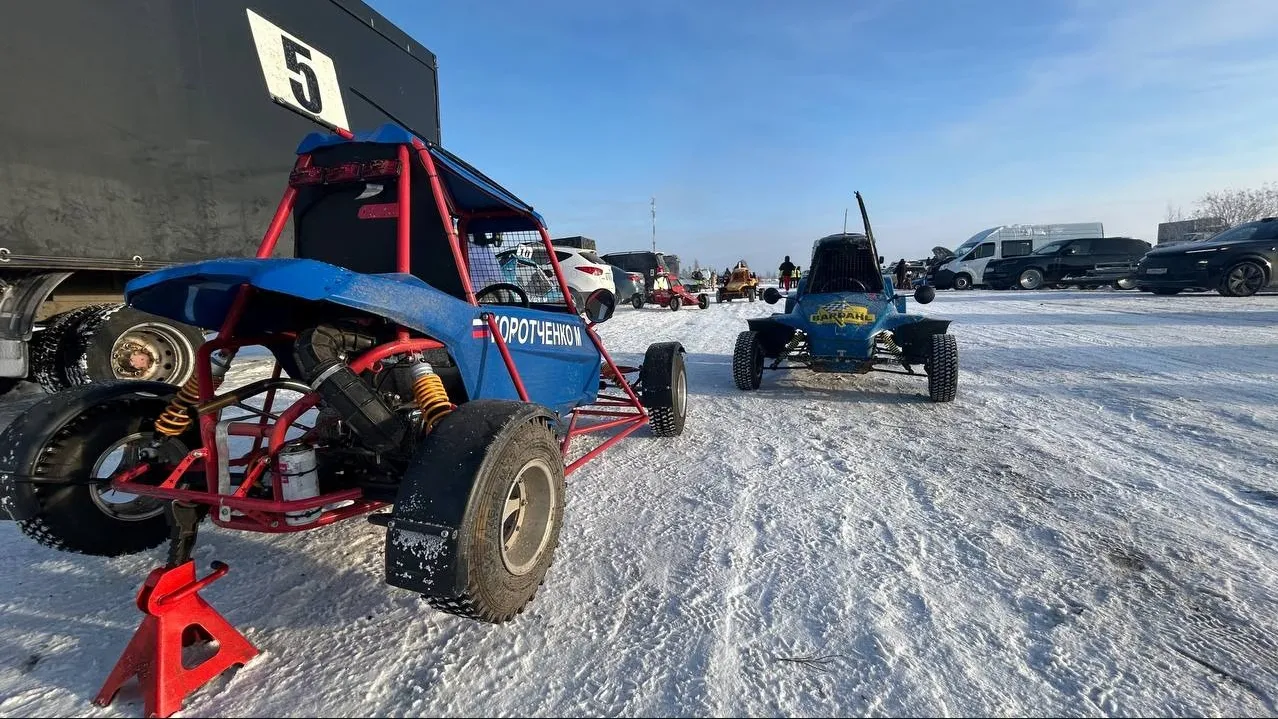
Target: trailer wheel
[[942, 368], [747, 361], [665, 388], [49, 348], [120, 342], [510, 525], [100, 436]]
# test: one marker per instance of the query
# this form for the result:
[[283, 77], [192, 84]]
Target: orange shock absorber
[[430, 395], [174, 419]]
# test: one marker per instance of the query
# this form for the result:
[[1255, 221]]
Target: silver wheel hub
[[152, 351], [526, 517], [123, 506]]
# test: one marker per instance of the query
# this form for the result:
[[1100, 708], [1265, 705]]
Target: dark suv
[[1055, 261], [1238, 262]]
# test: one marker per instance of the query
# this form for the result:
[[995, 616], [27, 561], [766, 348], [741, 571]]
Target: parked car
[[584, 271], [1238, 262], [965, 267], [1053, 262], [629, 286]]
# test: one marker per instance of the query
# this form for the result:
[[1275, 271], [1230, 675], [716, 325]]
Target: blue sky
[[753, 122]]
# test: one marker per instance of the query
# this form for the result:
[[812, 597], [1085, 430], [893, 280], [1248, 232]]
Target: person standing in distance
[[787, 270]]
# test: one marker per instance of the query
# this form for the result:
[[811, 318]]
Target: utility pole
[[654, 224]]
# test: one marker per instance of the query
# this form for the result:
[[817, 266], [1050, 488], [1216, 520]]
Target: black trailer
[[142, 133]]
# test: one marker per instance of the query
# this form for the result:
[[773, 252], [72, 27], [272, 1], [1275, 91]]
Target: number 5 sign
[[298, 76]]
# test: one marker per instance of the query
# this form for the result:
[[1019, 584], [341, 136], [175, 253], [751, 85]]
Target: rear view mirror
[[771, 295], [599, 306], [925, 294]]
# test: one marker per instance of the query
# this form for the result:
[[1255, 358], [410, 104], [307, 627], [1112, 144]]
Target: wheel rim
[[961, 282], [152, 351], [1031, 279], [119, 505], [1126, 284], [681, 393], [526, 517], [1245, 279]]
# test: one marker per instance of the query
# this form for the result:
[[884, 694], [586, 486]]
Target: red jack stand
[[176, 616]]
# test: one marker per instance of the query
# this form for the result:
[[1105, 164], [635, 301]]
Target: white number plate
[[1156, 271], [298, 76]]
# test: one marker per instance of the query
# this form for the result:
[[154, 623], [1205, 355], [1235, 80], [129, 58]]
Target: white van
[[966, 267]]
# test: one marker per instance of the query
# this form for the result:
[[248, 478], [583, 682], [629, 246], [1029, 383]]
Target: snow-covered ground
[[1091, 529]]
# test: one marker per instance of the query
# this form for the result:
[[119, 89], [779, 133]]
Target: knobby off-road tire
[[511, 523], [703, 301], [636, 301], [942, 368], [94, 344], [50, 348], [664, 380], [747, 361], [91, 518]]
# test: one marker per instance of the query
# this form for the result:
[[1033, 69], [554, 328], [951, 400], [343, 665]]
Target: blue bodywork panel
[[555, 357]]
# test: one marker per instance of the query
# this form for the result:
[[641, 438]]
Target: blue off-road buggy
[[423, 377], [845, 316]]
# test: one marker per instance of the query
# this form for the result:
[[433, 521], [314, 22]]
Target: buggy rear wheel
[[507, 477], [674, 304], [85, 434], [942, 368], [664, 381], [747, 361]]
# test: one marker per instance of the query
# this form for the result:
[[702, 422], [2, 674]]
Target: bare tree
[[1175, 214], [1237, 206]]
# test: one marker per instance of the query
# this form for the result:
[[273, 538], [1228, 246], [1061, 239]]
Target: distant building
[[1174, 233]]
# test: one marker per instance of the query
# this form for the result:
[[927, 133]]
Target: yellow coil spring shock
[[430, 395], [174, 419]]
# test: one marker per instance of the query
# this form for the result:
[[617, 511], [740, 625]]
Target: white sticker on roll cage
[[298, 76], [524, 331]]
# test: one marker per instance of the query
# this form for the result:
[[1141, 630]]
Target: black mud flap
[[915, 338], [773, 335], [26, 437], [423, 535]]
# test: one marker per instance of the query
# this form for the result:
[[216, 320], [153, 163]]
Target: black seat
[[844, 263], [352, 224]]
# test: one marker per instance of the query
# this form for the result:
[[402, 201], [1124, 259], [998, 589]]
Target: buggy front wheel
[[942, 368], [674, 304], [747, 361], [665, 388]]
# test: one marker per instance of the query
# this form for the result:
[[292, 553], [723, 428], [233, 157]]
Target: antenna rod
[[654, 224]]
